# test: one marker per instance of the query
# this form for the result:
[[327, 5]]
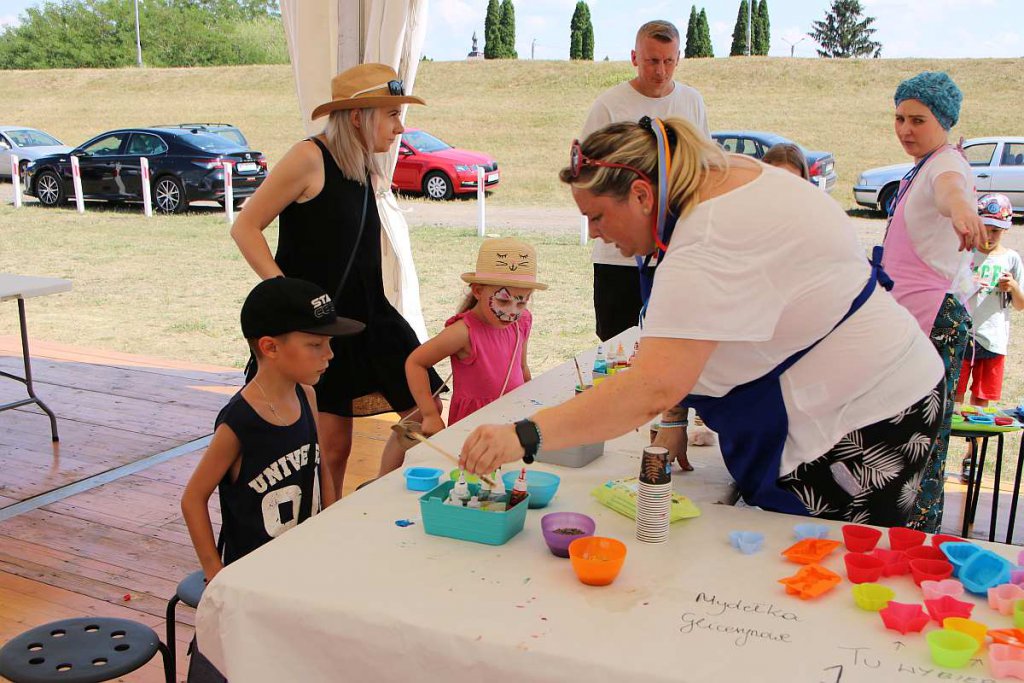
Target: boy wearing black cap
[[264, 458]]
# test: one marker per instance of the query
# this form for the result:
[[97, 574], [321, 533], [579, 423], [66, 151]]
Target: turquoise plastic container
[[467, 524]]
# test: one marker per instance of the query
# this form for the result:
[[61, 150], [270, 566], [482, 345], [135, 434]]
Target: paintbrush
[[403, 429], [579, 373]]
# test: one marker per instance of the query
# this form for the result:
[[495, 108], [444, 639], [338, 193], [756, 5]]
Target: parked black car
[[185, 166], [755, 144], [225, 130]]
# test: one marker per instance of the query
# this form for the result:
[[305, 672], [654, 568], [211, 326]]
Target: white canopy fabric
[[326, 37]]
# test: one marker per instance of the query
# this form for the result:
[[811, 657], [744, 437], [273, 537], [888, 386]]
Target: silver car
[[28, 144], [997, 162]]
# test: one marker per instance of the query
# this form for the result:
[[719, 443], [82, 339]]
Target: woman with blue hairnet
[[933, 227]]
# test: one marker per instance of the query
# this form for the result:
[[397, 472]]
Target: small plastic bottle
[[474, 502], [499, 491], [484, 491], [518, 490], [620, 358], [600, 365], [461, 488]]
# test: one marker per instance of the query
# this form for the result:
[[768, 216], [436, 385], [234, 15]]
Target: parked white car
[[28, 144], [997, 162]]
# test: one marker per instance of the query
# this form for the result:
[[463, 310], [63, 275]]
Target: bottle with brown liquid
[[518, 490]]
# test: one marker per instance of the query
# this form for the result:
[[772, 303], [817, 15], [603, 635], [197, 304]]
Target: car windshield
[[424, 142], [31, 138], [210, 142]]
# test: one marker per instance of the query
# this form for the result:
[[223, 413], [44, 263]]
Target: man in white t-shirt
[[652, 93]]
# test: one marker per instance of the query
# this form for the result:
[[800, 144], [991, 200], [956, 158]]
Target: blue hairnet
[[937, 91]]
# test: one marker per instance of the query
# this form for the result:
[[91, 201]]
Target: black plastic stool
[[190, 592], [82, 650]]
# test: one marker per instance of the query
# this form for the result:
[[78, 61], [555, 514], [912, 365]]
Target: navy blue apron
[[751, 419]]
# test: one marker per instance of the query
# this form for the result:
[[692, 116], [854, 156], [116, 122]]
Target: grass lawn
[[172, 286]]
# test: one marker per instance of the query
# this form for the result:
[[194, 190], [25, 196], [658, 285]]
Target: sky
[[906, 28]]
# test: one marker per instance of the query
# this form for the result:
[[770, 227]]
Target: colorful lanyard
[[907, 180], [665, 222]]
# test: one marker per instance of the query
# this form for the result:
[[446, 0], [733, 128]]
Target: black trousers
[[617, 301]]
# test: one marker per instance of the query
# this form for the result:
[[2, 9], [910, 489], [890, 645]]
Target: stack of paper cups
[[654, 496]]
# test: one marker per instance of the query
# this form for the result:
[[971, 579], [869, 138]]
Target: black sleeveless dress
[[316, 240]]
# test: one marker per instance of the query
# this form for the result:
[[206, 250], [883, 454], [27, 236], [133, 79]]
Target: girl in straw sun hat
[[486, 339]]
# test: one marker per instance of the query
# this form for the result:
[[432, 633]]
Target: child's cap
[[284, 304], [505, 262], [996, 210]]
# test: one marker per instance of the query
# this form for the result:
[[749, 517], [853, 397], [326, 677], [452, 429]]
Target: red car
[[438, 170]]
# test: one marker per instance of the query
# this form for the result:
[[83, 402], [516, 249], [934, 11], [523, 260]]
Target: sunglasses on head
[[577, 160], [994, 209], [395, 88]]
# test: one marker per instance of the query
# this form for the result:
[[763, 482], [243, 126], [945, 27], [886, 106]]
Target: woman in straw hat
[[330, 233], [486, 339], [764, 316]]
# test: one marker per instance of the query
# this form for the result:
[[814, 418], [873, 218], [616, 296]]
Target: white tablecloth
[[351, 596]]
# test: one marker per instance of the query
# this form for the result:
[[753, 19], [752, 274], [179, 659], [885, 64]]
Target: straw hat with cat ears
[[507, 263]]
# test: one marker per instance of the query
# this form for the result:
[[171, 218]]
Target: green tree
[[691, 33], [507, 27], [588, 37], [581, 33], [492, 31], [845, 32], [739, 33], [704, 46], [761, 28], [101, 34]]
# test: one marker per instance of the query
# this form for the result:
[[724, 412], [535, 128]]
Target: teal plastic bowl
[[422, 478], [540, 485]]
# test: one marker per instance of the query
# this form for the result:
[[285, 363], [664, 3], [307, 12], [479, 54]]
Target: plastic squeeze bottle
[[518, 490], [499, 491], [600, 371]]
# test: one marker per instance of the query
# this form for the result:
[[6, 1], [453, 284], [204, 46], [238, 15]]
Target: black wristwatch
[[529, 438]]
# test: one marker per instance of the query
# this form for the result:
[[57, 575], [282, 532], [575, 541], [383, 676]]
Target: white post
[[147, 195], [229, 192], [481, 194], [16, 180], [584, 230], [821, 182], [76, 180]]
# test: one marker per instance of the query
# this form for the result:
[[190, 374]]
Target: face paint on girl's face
[[506, 306]]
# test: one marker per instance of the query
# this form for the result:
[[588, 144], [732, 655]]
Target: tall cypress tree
[[765, 24], [704, 46], [756, 30], [691, 33], [587, 44], [507, 29], [576, 33], [739, 33], [492, 31]]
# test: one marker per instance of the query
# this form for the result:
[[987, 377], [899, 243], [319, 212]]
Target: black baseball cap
[[285, 304]]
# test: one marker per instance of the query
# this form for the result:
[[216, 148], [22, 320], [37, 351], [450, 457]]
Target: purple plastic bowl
[[559, 543]]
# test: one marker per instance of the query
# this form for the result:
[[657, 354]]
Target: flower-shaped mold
[[1006, 661], [1002, 597], [896, 562], [951, 649], [872, 596], [810, 530], [747, 542], [936, 589], [904, 617], [948, 606]]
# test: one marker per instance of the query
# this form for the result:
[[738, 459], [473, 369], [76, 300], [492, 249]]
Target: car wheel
[[169, 195], [50, 189], [437, 185], [887, 196]]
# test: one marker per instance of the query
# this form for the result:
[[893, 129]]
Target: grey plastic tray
[[578, 456]]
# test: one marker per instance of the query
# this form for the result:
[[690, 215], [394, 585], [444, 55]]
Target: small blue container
[[421, 478], [468, 524], [540, 485]]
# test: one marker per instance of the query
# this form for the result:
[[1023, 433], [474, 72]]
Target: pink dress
[[478, 377]]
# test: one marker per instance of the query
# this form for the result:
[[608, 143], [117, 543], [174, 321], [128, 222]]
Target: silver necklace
[[265, 398]]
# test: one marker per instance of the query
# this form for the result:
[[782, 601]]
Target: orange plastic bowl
[[596, 559]]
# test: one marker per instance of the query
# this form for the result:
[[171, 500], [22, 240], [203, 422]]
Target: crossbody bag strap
[[511, 363], [355, 247]]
